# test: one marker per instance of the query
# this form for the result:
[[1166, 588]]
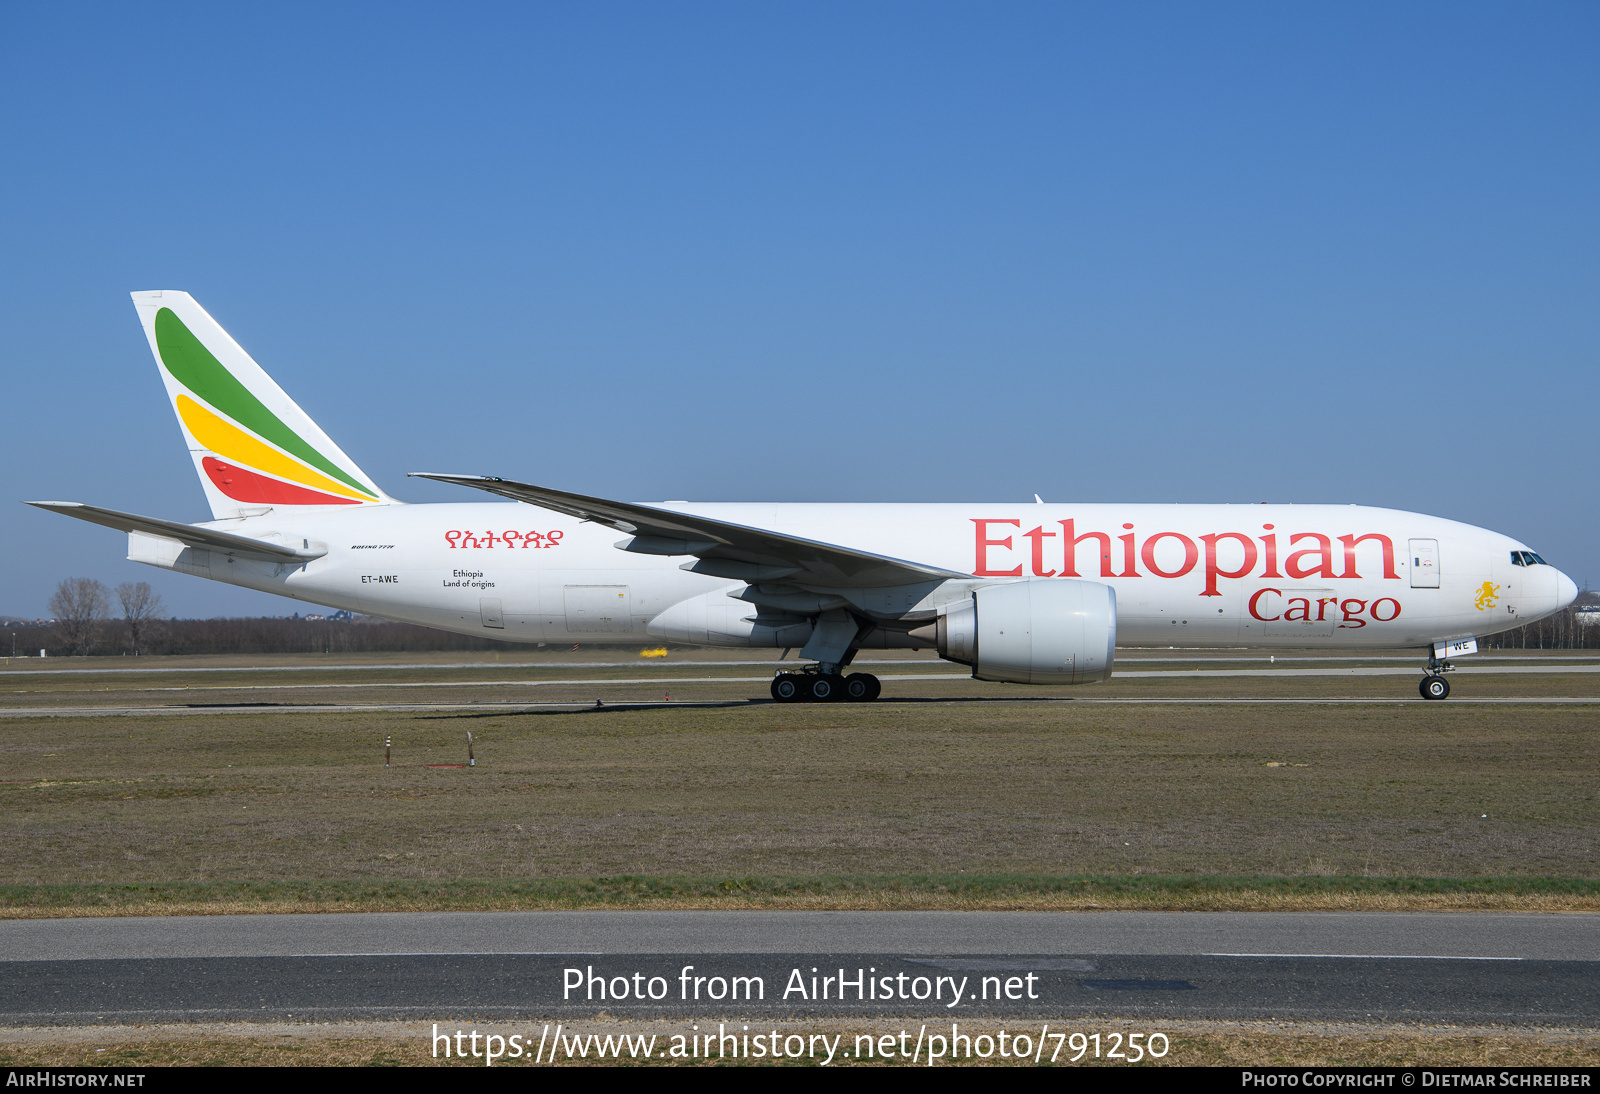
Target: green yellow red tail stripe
[[247, 486], [233, 443], [251, 443]]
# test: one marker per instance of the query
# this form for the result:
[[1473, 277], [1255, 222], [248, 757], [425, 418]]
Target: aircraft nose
[[1566, 590]]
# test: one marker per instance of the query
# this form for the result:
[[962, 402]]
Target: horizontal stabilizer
[[209, 538], [806, 562]]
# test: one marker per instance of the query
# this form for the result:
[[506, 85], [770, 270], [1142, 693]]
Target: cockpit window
[[1526, 558], [1536, 558], [1516, 559]]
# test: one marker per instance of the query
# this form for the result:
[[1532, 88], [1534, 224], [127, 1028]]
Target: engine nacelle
[[1040, 631]]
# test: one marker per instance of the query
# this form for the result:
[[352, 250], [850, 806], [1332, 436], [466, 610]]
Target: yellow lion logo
[[1488, 595]]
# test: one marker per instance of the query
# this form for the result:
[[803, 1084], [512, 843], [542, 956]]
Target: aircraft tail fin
[[253, 447]]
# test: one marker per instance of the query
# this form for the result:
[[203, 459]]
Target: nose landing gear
[[1434, 685]]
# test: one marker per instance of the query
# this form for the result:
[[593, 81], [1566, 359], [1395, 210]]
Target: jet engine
[[1039, 631]]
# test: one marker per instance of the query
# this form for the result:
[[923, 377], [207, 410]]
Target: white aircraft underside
[[1030, 593]]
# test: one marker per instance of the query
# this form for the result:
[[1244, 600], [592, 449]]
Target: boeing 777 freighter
[[1031, 594]]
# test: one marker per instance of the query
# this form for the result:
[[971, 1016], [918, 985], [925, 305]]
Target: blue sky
[[1158, 252]]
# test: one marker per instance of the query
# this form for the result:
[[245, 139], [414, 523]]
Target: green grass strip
[[899, 891]]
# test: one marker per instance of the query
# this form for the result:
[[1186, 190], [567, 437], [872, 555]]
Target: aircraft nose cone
[[1566, 590]]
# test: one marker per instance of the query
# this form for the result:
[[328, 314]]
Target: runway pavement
[[369, 685], [1546, 658], [1460, 967]]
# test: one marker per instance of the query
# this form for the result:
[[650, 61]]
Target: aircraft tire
[[861, 687], [824, 688], [1434, 687], [788, 688]]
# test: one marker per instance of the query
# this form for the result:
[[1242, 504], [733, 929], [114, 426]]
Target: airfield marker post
[[470, 761], [386, 740]]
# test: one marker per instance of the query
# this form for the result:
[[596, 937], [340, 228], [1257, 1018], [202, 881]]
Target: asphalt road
[[1416, 967]]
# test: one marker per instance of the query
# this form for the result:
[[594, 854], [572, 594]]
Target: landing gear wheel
[[861, 687], [1434, 687], [824, 687], [786, 688]]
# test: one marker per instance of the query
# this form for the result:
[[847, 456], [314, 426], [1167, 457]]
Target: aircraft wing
[[734, 551], [208, 538]]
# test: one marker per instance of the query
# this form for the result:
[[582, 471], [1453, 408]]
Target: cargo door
[[1300, 613], [601, 609], [1424, 564], [489, 609]]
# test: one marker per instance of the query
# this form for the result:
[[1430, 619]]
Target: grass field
[[949, 793]]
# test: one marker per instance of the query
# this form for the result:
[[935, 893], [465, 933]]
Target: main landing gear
[[825, 687], [832, 646]]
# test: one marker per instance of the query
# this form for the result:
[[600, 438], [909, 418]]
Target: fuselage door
[[1299, 613], [1424, 564], [598, 608], [489, 608]]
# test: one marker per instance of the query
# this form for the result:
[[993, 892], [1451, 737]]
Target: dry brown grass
[[953, 779], [861, 896]]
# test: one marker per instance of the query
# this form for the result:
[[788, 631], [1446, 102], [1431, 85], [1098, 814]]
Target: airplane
[[1034, 593]]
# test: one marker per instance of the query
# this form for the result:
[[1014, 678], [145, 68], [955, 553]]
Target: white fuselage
[[1186, 575]]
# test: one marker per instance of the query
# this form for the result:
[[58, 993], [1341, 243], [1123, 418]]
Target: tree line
[[92, 619], [1566, 630]]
